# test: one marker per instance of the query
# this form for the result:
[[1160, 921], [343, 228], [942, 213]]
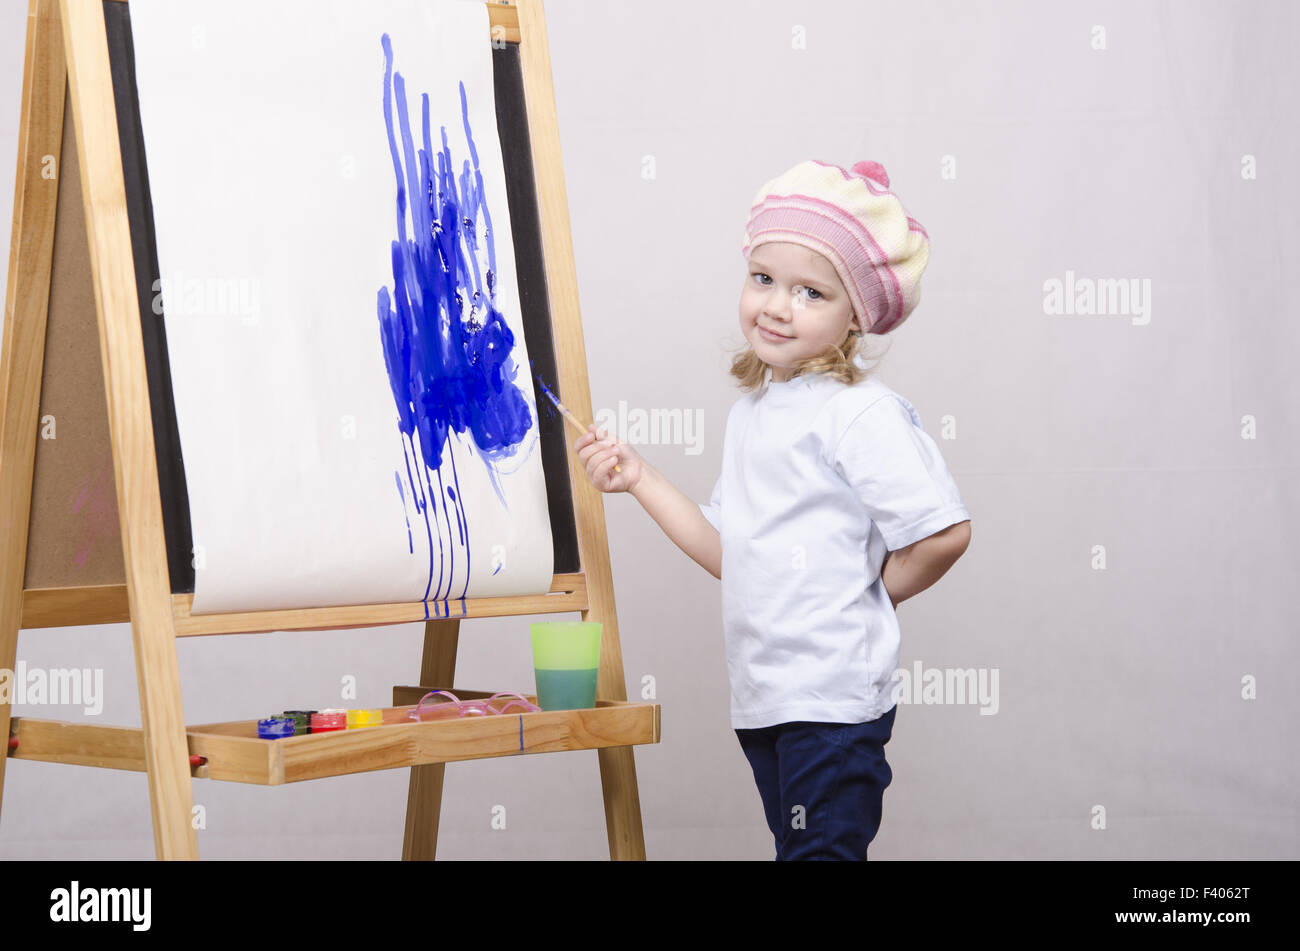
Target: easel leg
[[617, 767], [31, 252], [166, 750], [135, 467], [8, 654], [622, 804], [424, 799]]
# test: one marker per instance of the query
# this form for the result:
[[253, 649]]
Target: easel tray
[[233, 752]]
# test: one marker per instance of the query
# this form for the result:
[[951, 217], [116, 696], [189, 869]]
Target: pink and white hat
[[859, 225]]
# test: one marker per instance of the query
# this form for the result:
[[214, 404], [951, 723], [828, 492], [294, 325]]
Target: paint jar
[[566, 661], [301, 721], [326, 721], [274, 728], [358, 719]]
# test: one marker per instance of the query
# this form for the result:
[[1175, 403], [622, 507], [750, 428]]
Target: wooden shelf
[[107, 604], [235, 753]]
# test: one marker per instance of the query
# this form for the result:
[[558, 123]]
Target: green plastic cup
[[566, 661]]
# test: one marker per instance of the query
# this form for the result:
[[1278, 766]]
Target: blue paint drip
[[410, 539], [422, 507], [447, 348], [464, 517], [442, 494], [460, 525]]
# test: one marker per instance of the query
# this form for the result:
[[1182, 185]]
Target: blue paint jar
[[274, 728]]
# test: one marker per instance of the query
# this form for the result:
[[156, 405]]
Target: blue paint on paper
[[447, 348]]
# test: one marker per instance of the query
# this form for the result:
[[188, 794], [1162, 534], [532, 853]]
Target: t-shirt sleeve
[[713, 511], [897, 471]]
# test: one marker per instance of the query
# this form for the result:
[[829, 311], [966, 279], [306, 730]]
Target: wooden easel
[[71, 240]]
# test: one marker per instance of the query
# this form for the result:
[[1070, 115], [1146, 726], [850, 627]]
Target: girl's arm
[[679, 516], [909, 571]]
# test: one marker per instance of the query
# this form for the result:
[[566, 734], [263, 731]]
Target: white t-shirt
[[820, 480]]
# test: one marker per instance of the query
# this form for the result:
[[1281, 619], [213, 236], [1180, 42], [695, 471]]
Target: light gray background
[[1132, 561]]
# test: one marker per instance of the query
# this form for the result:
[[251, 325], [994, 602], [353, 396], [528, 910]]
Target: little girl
[[833, 505]]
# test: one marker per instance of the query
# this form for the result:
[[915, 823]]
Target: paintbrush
[[577, 423]]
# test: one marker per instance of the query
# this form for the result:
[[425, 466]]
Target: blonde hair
[[835, 362]]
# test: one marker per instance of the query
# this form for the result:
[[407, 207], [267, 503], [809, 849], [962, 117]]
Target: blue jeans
[[822, 784]]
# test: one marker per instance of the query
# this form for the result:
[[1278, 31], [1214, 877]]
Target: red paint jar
[[328, 720]]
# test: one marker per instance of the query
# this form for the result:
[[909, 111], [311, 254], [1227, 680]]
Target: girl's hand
[[599, 454]]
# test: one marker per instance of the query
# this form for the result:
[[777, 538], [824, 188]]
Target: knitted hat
[[858, 224]]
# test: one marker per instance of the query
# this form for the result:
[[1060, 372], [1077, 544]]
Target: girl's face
[[793, 306]]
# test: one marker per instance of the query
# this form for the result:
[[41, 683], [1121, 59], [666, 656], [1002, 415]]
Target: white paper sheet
[[275, 197]]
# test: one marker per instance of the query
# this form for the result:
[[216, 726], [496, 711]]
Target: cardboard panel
[[74, 538]]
